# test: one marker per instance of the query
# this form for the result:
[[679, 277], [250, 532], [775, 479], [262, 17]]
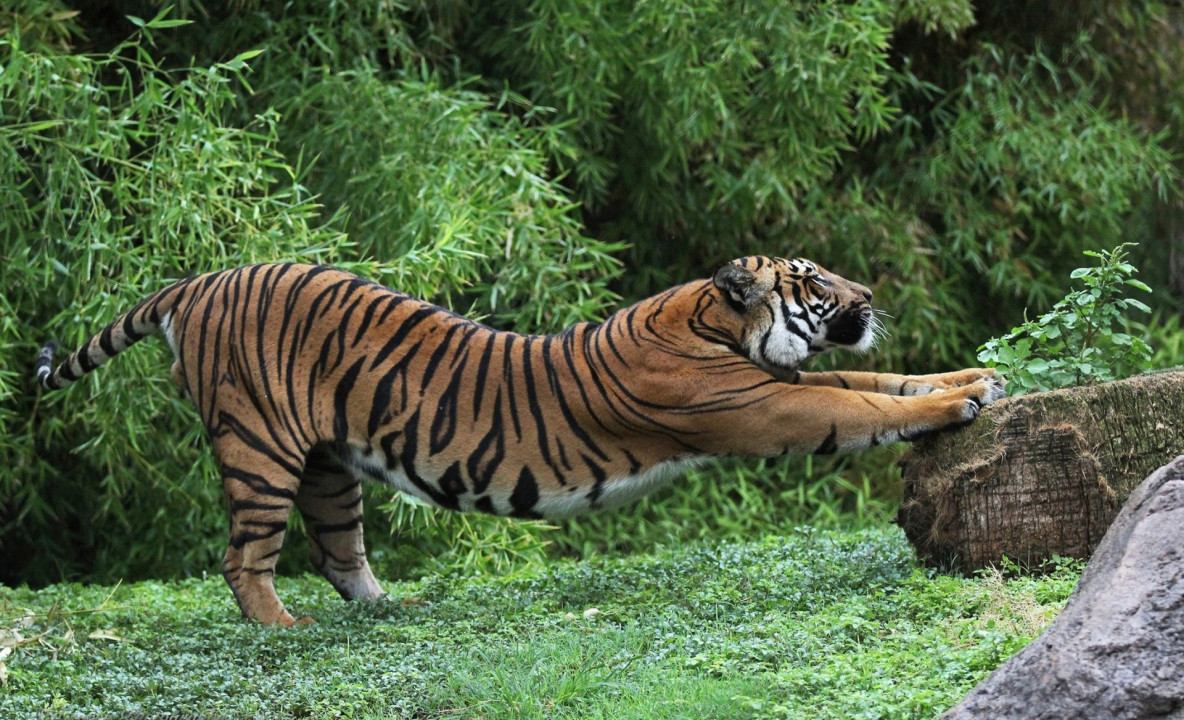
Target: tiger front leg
[[893, 384], [959, 378], [825, 420]]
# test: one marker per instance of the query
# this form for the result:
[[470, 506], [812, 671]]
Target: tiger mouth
[[851, 328]]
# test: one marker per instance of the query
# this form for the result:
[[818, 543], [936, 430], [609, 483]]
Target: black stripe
[[561, 450], [348, 526], [236, 505], [256, 443], [258, 484], [405, 328], [481, 470], [387, 443], [352, 504], [482, 373], [106, 343], [270, 530], [129, 328], [598, 478], [453, 485], [411, 432], [525, 496], [568, 345], [325, 297], [508, 378], [202, 395], [557, 390], [444, 421], [341, 401], [394, 301], [829, 445], [608, 338], [442, 349], [342, 324], [232, 287], [381, 411], [320, 366], [634, 463], [345, 489], [368, 316], [84, 360], [536, 411]]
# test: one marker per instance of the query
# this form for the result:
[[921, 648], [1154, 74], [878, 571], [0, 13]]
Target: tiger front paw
[[961, 378], [981, 393]]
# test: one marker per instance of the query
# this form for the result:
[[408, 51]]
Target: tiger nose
[[864, 291]]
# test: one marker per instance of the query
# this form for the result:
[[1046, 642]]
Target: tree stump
[[1039, 475]]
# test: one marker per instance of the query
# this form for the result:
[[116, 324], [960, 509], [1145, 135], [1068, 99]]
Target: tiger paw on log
[[309, 380]]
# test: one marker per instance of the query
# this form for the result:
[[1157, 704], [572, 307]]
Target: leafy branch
[[1088, 336]]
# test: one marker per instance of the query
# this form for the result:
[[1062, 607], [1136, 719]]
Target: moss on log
[[1039, 475]]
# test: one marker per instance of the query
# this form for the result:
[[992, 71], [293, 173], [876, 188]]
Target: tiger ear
[[739, 285]]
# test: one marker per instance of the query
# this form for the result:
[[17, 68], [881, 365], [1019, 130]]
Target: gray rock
[[1117, 649]]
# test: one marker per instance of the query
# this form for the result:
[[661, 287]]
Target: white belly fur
[[616, 492], [554, 502]]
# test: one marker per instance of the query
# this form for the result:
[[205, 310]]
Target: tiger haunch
[[309, 380]]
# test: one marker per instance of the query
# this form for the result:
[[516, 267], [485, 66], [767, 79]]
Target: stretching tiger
[[310, 379]]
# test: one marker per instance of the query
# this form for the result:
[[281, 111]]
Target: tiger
[[310, 379]]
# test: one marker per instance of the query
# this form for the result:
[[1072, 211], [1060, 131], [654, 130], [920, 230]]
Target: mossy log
[[1039, 475]]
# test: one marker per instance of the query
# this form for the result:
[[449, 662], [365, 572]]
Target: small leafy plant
[[1088, 336]]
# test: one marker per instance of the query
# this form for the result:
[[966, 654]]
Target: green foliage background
[[533, 163]]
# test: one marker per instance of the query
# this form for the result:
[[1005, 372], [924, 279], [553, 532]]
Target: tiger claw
[[980, 394]]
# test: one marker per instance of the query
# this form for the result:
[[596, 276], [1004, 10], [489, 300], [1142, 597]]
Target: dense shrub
[[523, 161]]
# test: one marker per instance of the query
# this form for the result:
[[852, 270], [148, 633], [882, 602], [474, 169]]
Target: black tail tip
[[44, 367]]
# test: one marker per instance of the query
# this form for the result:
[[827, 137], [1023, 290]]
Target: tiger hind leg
[[260, 488], [330, 500]]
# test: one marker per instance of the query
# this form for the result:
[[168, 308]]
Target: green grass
[[811, 625]]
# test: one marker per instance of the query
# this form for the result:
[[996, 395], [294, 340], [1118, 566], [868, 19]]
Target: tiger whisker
[[878, 328]]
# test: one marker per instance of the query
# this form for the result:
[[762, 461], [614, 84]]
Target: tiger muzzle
[[849, 327]]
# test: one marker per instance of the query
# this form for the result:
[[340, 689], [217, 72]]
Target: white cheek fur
[[777, 346]]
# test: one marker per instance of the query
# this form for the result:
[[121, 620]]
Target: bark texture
[[1117, 649], [1039, 475]]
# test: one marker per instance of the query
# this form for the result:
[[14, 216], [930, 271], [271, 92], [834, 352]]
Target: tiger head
[[792, 309]]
